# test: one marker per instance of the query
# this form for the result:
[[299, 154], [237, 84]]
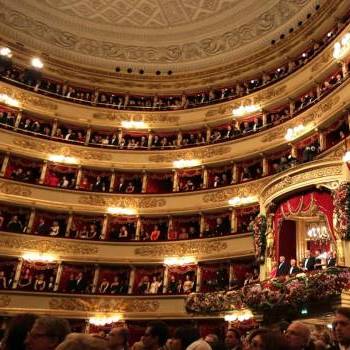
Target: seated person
[[207, 231], [40, 283], [18, 174], [154, 286], [51, 284], [188, 285], [99, 185], [42, 228], [54, 229], [220, 227], [123, 232], [83, 233], [172, 285], [217, 182], [104, 286], [130, 188], [80, 283], [121, 185], [92, 233], [183, 233], [155, 235], [144, 285], [64, 183], [192, 233], [3, 280], [246, 175], [25, 279], [189, 186], [15, 225]]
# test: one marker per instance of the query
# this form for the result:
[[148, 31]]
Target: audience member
[[341, 329], [155, 336], [80, 341], [118, 339]]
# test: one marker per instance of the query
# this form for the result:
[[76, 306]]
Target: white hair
[[80, 341]]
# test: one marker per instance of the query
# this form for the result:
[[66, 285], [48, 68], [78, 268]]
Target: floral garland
[[341, 201], [259, 229], [266, 295]]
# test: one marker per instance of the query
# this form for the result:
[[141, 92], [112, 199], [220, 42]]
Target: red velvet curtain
[[288, 237], [209, 273], [26, 164], [159, 183], [303, 203]]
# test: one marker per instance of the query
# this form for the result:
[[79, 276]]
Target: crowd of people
[[30, 332]]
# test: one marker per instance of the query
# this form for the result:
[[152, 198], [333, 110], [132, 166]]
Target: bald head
[[298, 335]]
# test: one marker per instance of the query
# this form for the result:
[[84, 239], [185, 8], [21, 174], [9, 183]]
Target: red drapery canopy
[[301, 204]]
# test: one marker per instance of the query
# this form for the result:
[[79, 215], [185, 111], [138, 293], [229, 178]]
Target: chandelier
[[318, 232]]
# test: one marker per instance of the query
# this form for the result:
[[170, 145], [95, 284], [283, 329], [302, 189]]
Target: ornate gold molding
[[51, 147], [5, 300], [45, 245], [14, 189], [116, 201], [104, 304], [184, 248]]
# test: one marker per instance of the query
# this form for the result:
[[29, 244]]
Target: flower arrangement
[[278, 292], [259, 230], [341, 201]]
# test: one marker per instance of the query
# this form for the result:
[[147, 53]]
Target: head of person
[[293, 262], [183, 337], [156, 335], [232, 338], [298, 335], [282, 259], [211, 339], [341, 326], [265, 339], [80, 341], [17, 331], [47, 333], [118, 338], [307, 254]]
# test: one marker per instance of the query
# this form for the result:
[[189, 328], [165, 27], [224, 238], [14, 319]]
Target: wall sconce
[[239, 315], [341, 48], [293, 133], [39, 257], [180, 261], [134, 124], [121, 211], [37, 63], [235, 201], [243, 110], [10, 101], [57, 158], [186, 163], [103, 320]]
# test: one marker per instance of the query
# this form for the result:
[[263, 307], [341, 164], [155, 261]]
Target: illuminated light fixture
[[293, 133], [341, 47], [329, 34], [10, 101], [6, 52], [180, 261], [134, 125], [58, 158], [235, 201], [37, 63], [121, 211], [243, 110], [40, 257], [318, 232], [186, 163], [346, 157], [104, 320], [239, 315]]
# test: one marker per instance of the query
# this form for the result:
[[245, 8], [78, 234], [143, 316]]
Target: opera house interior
[[180, 163]]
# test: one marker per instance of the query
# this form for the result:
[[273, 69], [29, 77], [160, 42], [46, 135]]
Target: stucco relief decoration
[[104, 305], [104, 201], [179, 249], [50, 148], [148, 118], [205, 153], [320, 109], [47, 246], [5, 301], [15, 190], [174, 11]]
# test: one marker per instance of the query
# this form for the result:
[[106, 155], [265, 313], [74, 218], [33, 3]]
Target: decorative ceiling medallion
[[51, 147], [181, 249], [45, 245], [104, 304], [123, 202]]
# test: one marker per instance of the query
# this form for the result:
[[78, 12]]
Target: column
[[31, 221], [170, 224], [79, 174], [264, 118], [150, 139], [344, 68], [17, 273], [201, 225], [234, 174], [104, 227], [265, 164], [322, 140], [144, 182], [294, 151], [43, 172], [233, 220], [175, 181], [208, 134], [165, 279], [58, 276], [131, 280], [88, 136], [205, 177], [95, 280], [199, 279], [54, 127], [18, 119], [291, 106], [69, 224], [300, 240], [138, 228], [112, 183], [348, 119], [232, 276], [120, 135], [179, 139], [4, 164], [318, 90]]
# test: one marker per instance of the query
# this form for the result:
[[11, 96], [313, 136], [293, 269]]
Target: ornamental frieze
[[105, 201], [179, 249], [148, 118], [54, 246], [205, 153], [104, 304], [5, 301], [14, 189], [324, 58], [50, 148], [302, 178]]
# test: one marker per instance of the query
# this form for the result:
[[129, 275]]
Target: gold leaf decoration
[[5, 301], [14, 189]]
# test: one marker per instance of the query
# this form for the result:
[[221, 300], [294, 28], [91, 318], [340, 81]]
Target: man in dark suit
[[308, 262], [331, 259], [341, 328], [80, 283], [294, 269], [283, 268]]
